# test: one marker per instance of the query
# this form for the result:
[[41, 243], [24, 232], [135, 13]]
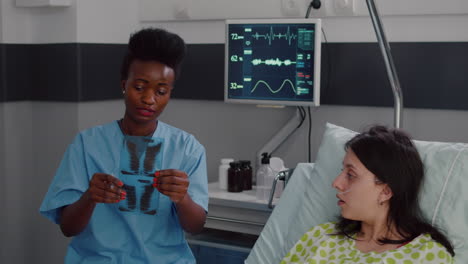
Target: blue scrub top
[[115, 234]]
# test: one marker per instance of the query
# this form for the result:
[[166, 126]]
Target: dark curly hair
[[392, 157], [154, 44]]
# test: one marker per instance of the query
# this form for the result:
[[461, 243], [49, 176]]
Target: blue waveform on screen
[[273, 62], [271, 36]]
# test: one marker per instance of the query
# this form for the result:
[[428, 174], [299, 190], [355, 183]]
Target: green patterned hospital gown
[[317, 246]]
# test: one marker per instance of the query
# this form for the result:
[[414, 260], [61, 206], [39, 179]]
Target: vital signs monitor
[[273, 61]]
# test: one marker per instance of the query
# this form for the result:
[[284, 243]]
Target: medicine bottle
[[223, 173], [264, 175], [246, 174], [235, 177]]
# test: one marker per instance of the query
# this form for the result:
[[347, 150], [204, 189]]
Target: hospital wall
[[35, 133]]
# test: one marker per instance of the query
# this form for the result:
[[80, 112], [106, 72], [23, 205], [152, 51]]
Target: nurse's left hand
[[172, 183]]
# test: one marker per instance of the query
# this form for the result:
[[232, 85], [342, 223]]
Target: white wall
[[16, 23], [34, 135], [109, 21], [34, 142], [18, 161], [106, 21], [55, 126], [415, 20], [37, 25], [3, 221], [187, 10]]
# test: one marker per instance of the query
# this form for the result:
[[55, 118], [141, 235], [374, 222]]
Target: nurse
[[126, 191]]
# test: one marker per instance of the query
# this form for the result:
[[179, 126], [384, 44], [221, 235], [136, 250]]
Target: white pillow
[[320, 203], [443, 200], [271, 246], [444, 197]]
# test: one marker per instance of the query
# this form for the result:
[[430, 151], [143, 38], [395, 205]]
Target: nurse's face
[[147, 90], [360, 195]]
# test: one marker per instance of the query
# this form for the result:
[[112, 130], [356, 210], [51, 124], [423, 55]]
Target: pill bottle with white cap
[[223, 172]]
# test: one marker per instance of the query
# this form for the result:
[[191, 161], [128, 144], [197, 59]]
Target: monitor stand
[[280, 137]]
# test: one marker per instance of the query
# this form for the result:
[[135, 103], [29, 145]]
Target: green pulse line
[[275, 91], [271, 36]]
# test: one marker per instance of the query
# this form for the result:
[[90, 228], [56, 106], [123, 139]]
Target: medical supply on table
[[246, 174], [235, 179], [265, 178], [223, 173], [277, 165]]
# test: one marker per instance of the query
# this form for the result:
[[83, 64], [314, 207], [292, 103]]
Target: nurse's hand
[[105, 188], [172, 183]]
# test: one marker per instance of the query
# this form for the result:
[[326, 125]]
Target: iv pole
[[389, 65]]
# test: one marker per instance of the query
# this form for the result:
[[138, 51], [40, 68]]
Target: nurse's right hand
[[105, 188]]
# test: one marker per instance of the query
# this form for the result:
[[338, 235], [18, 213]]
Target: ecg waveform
[[271, 36], [273, 62]]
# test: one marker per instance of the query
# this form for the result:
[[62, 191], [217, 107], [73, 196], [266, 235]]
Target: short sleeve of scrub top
[[69, 184]]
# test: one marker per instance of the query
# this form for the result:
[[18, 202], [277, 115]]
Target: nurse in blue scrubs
[[126, 191]]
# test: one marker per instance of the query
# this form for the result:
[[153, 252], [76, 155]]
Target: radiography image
[[140, 158]]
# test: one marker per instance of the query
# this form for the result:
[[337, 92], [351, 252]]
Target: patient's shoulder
[[426, 242], [424, 248], [432, 248]]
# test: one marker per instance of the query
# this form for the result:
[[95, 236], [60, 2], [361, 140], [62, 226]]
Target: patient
[[380, 219]]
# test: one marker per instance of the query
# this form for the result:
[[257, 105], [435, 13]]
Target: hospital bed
[[309, 199]]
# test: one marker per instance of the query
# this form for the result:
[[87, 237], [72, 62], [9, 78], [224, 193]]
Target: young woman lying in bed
[[380, 219]]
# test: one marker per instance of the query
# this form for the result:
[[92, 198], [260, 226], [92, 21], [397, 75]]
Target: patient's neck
[[372, 231], [375, 225], [376, 231]]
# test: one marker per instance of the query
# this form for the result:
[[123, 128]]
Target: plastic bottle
[[235, 180], [246, 174], [223, 173], [277, 165], [264, 175]]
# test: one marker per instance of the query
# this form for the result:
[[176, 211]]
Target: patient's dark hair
[[392, 157], [154, 44]]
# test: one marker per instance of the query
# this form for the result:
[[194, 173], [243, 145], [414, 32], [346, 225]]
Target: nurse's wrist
[[184, 201], [88, 199]]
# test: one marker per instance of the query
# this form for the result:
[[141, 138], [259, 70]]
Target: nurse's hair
[[154, 44], [392, 157]]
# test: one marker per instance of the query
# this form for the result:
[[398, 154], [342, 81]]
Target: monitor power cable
[[303, 115]]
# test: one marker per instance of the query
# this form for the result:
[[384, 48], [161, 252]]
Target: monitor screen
[[273, 61]]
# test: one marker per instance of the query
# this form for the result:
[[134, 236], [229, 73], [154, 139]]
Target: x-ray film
[[140, 158]]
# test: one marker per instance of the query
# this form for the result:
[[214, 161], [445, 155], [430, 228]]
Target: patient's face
[[358, 191]]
